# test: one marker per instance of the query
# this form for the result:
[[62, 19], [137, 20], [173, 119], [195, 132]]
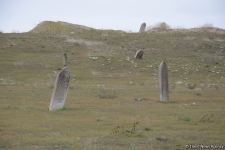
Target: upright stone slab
[[61, 88], [139, 54], [142, 28], [163, 82]]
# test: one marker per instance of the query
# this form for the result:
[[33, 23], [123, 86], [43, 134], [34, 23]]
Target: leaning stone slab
[[139, 54], [142, 28], [61, 89]]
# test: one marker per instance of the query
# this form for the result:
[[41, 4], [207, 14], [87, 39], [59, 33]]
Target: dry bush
[[107, 93], [162, 26], [207, 25]]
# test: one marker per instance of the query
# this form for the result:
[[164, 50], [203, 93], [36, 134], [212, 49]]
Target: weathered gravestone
[[139, 54], [163, 82], [61, 88], [142, 28]]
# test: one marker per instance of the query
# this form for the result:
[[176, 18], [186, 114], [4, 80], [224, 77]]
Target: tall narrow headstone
[[61, 88], [163, 82], [142, 28]]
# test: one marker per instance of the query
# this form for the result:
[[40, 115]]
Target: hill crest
[[58, 27]]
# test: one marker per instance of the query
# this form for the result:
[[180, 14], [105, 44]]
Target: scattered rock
[[149, 66], [162, 139], [128, 58], [213, 85], [139, 99], [12, 44], [193, 103], [179, 82], [131, 83], [93, 57], [191, 86]]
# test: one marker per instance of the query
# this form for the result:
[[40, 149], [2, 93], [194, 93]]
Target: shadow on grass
[[168, 102], [66, 109]]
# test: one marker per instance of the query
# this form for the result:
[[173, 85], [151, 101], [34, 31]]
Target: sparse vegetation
[[102, 99], [185, 118], [107, 93], [160, 27]]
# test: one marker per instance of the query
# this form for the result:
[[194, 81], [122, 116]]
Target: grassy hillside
[[113, 99]]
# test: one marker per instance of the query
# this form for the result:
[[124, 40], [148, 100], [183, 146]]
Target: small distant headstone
[[142, 28], [163, 82], [61, 88], [139, 54]]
